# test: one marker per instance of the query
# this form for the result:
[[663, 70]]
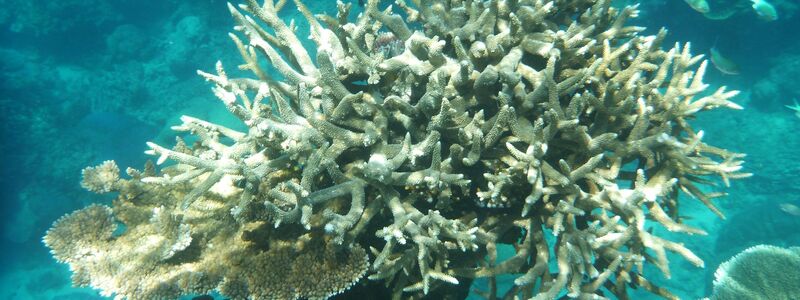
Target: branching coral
[[429, 138]]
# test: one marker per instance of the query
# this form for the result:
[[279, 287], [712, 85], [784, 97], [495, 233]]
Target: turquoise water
[[86, 81]]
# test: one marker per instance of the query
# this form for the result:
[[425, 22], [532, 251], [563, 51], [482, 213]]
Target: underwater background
[[83, 81]]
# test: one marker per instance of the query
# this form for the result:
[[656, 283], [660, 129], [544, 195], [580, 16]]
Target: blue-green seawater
[[83, 81]]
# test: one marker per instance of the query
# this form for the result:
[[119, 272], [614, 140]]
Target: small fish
[[765, 10], [203, 297], [723, 64], [722, 14], [790, 209], [700, 6]]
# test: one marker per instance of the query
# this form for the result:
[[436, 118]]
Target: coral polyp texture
[[409, 146], [759, 272]]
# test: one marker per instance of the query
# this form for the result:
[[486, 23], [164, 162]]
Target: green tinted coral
[[425, 139], [759, 272]]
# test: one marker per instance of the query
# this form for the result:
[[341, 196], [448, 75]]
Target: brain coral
[[417, 140]]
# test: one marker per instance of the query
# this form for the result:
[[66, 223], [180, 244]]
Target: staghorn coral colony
[[419, 140]]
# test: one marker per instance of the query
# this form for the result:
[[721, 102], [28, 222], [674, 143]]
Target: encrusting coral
[[408, 150]]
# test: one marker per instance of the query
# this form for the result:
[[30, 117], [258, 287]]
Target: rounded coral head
[[759, 272]]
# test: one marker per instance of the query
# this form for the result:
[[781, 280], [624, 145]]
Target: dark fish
[[723, 64], [721, 14], [361, 3], [203, 297]]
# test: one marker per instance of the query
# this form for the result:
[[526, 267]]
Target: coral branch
[[431, 138]]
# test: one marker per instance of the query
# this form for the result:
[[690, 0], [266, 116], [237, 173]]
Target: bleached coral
[[102, 178], [795, 107], [72, 236], [496, 122]]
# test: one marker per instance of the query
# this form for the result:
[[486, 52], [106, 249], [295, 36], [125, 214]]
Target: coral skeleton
[[410, 145], [795, 108]]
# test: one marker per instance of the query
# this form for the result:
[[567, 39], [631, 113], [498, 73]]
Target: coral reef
[[101, 179], [779, 86], [759, 272], [409, 149], [47, 17], [745, 231]]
